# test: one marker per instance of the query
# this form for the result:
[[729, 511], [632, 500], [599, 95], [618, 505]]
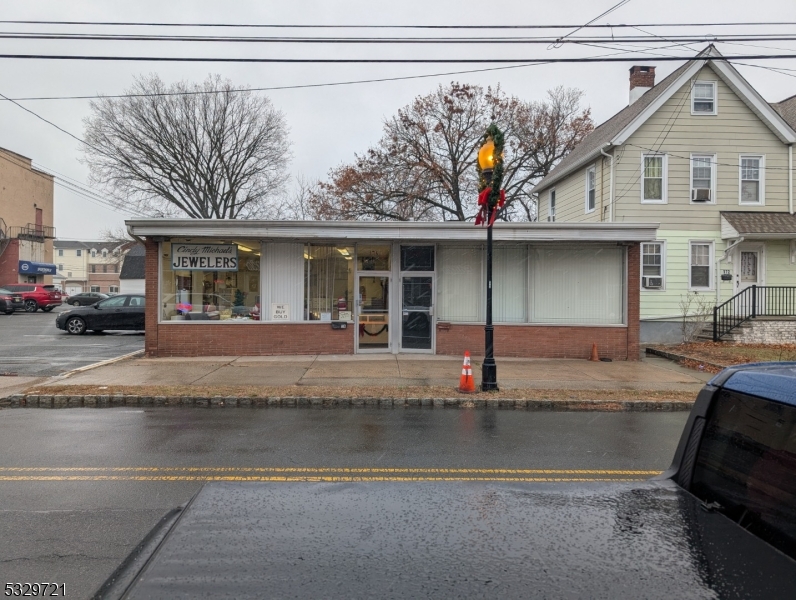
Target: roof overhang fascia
[[556, 177], [410, 231], [763, 236]]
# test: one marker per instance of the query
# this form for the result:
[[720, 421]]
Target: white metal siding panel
[[132, 286], [283, 278]]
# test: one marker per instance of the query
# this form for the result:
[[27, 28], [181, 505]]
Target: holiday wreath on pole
[[490, 176]]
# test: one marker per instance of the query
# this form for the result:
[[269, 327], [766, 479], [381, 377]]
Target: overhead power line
[[626, 39], [219, 59], [405, 26]]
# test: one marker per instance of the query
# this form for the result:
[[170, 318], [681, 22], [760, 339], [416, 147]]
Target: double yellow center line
[[315, 474]]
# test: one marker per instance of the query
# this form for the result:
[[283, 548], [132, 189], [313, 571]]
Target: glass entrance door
[[373, 310], [417, 314]]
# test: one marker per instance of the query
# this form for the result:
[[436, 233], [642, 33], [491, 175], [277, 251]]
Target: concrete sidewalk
[[398, 371]]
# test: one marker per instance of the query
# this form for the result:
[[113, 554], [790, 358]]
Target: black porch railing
[[754, 301]]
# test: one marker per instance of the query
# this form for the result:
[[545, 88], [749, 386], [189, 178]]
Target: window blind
[[460, 287]]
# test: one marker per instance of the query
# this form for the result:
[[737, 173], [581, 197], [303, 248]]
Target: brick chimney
[[641, 80]]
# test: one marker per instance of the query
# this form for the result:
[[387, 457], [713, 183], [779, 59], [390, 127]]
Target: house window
[[701, 259], [114, 289], [79, 252], [93, 253], [69, 274], [115, 268], [93, 268], [653, 178], [104, 253], [104, 268], [591, 176], [652, 265], [60, 252], [551, 206], [95, 289], [751, 179], [60, 266], [703, 175], [703, 98]]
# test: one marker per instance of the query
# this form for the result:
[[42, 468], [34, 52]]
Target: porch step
[[706, 335]]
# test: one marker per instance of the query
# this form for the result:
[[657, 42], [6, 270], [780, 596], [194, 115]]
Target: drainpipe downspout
[[611, 188], [790, 178]]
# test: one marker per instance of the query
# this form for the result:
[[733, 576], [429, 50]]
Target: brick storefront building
[[218, 287]]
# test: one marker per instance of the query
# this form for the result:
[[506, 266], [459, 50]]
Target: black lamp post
[[490, 166]]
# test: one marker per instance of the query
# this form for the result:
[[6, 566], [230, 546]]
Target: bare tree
[[197, 150], [423, 166]]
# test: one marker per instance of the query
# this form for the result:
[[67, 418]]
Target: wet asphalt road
[[31, 345], [80, 487]]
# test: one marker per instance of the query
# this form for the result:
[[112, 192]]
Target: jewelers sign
[[204, 257]]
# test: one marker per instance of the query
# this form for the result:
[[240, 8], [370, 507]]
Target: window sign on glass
[[704, 98], [373, 258], [750, 179], [417, 258], [653, 178]]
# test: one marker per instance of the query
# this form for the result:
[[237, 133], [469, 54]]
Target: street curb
[[679, 357], [101, 363], [92, 401]]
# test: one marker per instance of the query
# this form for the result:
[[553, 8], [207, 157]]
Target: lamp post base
[[489, 376]]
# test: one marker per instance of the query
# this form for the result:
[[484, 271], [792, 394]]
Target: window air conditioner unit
[[652, 282], [700, 195]]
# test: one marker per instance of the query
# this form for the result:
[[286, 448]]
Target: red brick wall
[[533, 341], [152, 309], [633, 300], [9, 263], [262, 339]]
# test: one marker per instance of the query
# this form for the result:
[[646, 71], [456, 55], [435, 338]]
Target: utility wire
[[209, 59], [554, 42], [561, 40], [376, 26]]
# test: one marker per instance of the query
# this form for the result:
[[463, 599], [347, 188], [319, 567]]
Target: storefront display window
[[373, 258], [210, 281], [329, 282]]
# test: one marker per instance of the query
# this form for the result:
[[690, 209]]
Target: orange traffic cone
[[594, 356], [466, 382]]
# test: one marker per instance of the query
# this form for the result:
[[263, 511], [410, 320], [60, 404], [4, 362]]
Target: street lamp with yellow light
[[490, 199]]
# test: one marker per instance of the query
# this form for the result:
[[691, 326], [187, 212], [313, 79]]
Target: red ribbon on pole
[[483, 202]]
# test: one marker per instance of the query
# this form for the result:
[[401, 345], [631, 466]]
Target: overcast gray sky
[[328, 125]]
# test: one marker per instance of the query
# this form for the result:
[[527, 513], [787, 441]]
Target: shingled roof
[[787, 110], [133, 266], [761, 223]]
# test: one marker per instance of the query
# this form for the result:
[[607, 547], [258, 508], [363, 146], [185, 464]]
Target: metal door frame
[[388, 275], [400, 312]]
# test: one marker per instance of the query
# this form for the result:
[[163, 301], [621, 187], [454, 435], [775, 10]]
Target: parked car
[[125, 311], [720, 523], [10, 301], [37, 295], [85, 298]]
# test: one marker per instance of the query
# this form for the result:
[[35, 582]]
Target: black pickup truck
[[719, 523]]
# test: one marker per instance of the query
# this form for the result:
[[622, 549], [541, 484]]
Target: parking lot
[[31, 345]]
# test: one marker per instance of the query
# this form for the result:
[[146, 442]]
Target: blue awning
[[28, 267]]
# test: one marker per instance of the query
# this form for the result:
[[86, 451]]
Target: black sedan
[[125, 311], [86, 298], [10, 301]]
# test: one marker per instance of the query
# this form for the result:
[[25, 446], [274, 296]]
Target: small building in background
[[105, 261], [132, 277], [26, 221], [71, 260]]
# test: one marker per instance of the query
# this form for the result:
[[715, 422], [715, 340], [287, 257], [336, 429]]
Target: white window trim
[[713, 168], [586, 186], [550, 212], [711, 266], [92, 291], [762, 158], [715, 99], [663, 266], [665, 183]]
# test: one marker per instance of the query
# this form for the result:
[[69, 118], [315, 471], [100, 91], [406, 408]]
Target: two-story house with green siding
[[705, 156]]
